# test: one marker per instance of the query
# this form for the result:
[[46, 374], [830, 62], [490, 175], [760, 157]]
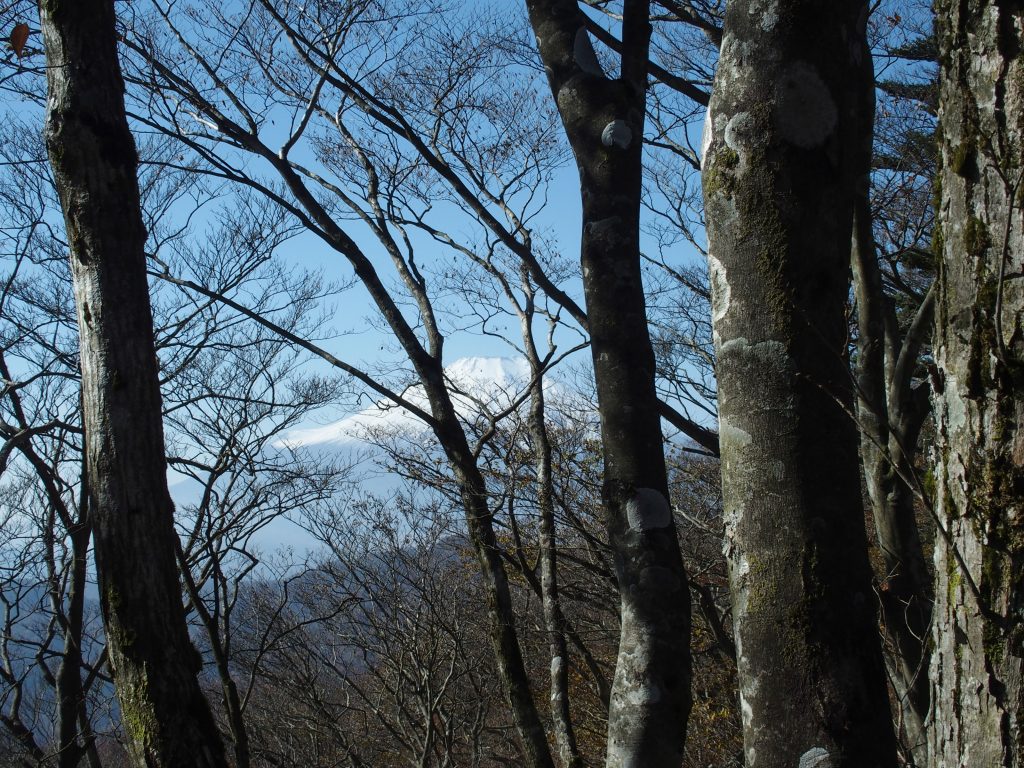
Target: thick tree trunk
[[604, 120], [165, 714], [978, 662], [783, 152]]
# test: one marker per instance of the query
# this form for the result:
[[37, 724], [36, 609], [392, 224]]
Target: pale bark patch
[[815, 757], [720, 292], [617, 134], [768, 13], [805, 112], [648, 509], [706, 137], [583, 54], [742, 134]]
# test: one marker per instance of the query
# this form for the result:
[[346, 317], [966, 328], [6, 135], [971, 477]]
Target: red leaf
[[19, 35]]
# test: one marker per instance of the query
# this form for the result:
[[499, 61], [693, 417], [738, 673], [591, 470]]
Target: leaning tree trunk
[[165, 715], [977, 669], [783, 151], [604, 121]]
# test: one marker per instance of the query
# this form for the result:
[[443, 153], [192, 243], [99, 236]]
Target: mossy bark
[[784, 149], [604, 121], [166, 717], [978, 630]]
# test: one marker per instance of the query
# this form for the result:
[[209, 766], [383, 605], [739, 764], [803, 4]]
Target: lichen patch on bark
[[766, 13], [741, 133], [720, 293]]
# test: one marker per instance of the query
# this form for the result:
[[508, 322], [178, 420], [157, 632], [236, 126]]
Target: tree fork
[[604, 121]]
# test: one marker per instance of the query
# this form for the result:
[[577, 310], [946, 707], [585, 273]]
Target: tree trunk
[[977, 669], [164, 712], [784, 148], [554, 619], [890, 414], [604, 120]]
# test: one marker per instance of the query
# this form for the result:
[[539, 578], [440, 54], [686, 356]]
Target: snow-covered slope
[[479, 384]]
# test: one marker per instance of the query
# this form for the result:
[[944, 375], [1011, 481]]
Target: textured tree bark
[[784, 148], [604, 120], [978, 662], [164, 712]]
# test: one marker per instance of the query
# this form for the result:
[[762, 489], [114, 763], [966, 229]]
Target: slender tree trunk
[[784, 148], [978, 662], [70, 694], [165, 714], [554, 619], [890, 415], [479, 520], [604, 120]]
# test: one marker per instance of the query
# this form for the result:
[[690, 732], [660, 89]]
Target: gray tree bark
[[784, 149], [604, 121], [165, 715], [978, 662]]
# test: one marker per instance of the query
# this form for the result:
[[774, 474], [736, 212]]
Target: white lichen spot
[[746, 710], [769, 352], [557, 665], [720, 292], [583, 53], [707, 136], [805, 112], [648, 509], [742, 568], [815, 757], [766, 14], [568, 99], [617, 134]]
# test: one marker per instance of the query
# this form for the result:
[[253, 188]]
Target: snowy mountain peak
[[490, 383], [491, 374]]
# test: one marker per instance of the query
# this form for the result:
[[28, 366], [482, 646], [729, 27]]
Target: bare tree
[[94, 160], [604, 120], [388, 132]]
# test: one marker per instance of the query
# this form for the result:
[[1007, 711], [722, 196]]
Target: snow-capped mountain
[[480, 385]]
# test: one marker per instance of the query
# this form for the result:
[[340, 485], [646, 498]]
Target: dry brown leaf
[[19, 36]]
